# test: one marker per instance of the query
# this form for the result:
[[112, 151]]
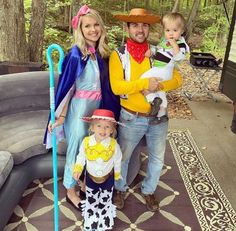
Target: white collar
[[106, 142]]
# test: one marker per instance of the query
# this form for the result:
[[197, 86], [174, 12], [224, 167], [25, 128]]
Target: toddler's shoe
[[155, 106]]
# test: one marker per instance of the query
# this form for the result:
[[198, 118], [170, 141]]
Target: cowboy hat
[[138, 15], [101, 114]]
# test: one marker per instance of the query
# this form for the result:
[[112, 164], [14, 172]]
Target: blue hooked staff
[[52, 110]]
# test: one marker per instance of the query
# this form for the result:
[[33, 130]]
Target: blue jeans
[[129, 135]]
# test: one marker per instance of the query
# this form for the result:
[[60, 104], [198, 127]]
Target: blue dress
[[86, 75], [86, 99]]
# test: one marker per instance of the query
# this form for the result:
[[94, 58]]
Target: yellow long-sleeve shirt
[[136, 100]]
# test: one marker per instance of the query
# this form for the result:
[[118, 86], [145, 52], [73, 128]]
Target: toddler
[[102, 156], [171, 49]]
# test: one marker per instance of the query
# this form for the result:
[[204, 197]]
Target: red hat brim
[[90, 119]]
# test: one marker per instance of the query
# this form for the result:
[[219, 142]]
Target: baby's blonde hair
[[174, 17], [114, 133], [102, 43]]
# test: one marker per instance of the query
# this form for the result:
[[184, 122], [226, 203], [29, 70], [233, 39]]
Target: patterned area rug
[[190, 198]]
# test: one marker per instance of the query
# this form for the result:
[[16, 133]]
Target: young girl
[[80, 89], [171, 49], [102, 156]]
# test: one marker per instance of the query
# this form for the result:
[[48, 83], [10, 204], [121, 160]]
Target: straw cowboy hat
[[138, 15], [101, 114]]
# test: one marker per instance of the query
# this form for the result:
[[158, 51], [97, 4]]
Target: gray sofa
[[24, 108]]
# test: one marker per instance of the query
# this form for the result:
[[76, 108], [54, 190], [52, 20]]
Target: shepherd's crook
[[52, 110]]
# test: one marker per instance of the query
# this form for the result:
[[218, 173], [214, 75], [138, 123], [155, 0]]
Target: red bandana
[[137, 50]]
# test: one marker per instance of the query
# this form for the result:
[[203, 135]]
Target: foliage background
[[209, 35]]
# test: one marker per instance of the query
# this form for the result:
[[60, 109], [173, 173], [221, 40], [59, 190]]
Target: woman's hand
[[59, 121]]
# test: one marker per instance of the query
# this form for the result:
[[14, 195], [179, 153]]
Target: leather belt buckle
[[143, 114]]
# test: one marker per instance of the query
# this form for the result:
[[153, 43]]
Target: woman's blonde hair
[[174, 17], [113, 135], [102, 43]]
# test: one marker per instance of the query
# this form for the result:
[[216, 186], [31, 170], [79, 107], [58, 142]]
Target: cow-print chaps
[[98, 210]]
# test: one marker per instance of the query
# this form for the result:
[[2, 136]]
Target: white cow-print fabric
[[98, 210]]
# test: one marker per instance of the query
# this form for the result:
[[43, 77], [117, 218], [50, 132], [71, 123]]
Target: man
[[125, 68]]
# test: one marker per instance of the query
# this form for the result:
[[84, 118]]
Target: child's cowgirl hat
[[101, 114]]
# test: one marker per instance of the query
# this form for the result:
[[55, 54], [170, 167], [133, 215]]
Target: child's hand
[[174, 45], [172, 42], [57, 123], [76, 175], [148, 53]]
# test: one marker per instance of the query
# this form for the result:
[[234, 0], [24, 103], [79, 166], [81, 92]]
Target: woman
[[80, 89]]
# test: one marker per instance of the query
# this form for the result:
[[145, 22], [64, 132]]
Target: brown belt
[[101, 179], [138, 113]]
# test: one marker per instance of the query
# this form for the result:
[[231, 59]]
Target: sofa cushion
[[6, 164], [26, 91], [22, 134]]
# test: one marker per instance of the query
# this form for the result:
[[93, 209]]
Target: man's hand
[[153, 84], [160, 87], [148, 53], [145, 92]]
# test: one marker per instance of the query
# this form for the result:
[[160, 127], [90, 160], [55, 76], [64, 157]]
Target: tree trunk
[[36, 32], [76, 4], [188, 4], [176, 6], [13, 45], [191, 18], [123, 35], [67, 15]]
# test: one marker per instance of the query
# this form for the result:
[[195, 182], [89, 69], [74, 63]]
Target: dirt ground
[[178, 107]]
